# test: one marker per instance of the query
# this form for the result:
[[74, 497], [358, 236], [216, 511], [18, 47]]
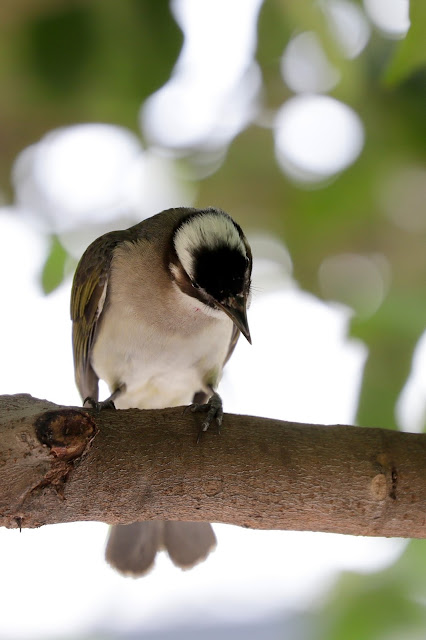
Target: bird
[[157, 310]]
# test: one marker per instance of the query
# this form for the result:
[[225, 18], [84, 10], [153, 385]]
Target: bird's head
[[212, 262]]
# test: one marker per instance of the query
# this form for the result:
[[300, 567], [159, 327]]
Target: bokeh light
[[411, 406], [305, 67], [361, 282], [213, 91], [272, 266], [75, 174], [348, 24], [391, 17], [316, 137], [81, 181], [403, 198]]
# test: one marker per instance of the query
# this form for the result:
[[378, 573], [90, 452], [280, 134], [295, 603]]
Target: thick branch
[[59, 465]]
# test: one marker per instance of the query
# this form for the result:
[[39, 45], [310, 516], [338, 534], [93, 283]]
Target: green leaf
[[54, 268]]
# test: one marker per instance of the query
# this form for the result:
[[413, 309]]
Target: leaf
[[54, 268]]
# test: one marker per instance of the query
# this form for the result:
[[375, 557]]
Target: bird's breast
[[163, 355]]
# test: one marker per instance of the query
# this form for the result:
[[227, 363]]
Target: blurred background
[[306, 121]]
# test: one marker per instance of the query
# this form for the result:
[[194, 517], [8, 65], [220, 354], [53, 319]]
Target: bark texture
[[62, 464]]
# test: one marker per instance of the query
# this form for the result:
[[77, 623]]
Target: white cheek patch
[[207, 230]]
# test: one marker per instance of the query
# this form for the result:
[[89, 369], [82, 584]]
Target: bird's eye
[[195, 285]]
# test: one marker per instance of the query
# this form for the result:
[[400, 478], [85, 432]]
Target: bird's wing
[[90, 290], [88, 295]]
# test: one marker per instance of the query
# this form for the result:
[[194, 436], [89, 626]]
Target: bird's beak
[[235, 308]]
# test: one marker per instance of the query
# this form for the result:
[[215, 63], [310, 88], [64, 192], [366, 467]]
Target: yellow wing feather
[[88, 296]]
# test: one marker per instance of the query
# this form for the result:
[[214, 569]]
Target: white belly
[[160, 367]]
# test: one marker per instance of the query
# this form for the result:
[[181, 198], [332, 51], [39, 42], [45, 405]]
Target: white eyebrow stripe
[[208, 230]]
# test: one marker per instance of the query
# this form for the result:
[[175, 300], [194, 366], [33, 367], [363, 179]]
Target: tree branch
[[61, 464]]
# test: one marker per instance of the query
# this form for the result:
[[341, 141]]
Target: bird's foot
[[99, 406], [214, 410], [105, 404]]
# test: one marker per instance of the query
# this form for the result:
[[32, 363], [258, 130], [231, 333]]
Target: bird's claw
[[214, 410], [105, 404], [99, 406]]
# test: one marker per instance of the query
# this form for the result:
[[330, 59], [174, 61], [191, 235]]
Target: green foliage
[[77, 62], [69, 33], [387, 605], [99, 51], [372, 608], [346, 216], [410, 55]]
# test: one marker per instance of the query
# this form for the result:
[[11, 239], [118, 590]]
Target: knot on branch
[[68, 433]]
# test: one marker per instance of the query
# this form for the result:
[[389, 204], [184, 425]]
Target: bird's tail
[[131, 548]]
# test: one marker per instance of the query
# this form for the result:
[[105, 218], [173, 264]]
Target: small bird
[[157, 310]]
